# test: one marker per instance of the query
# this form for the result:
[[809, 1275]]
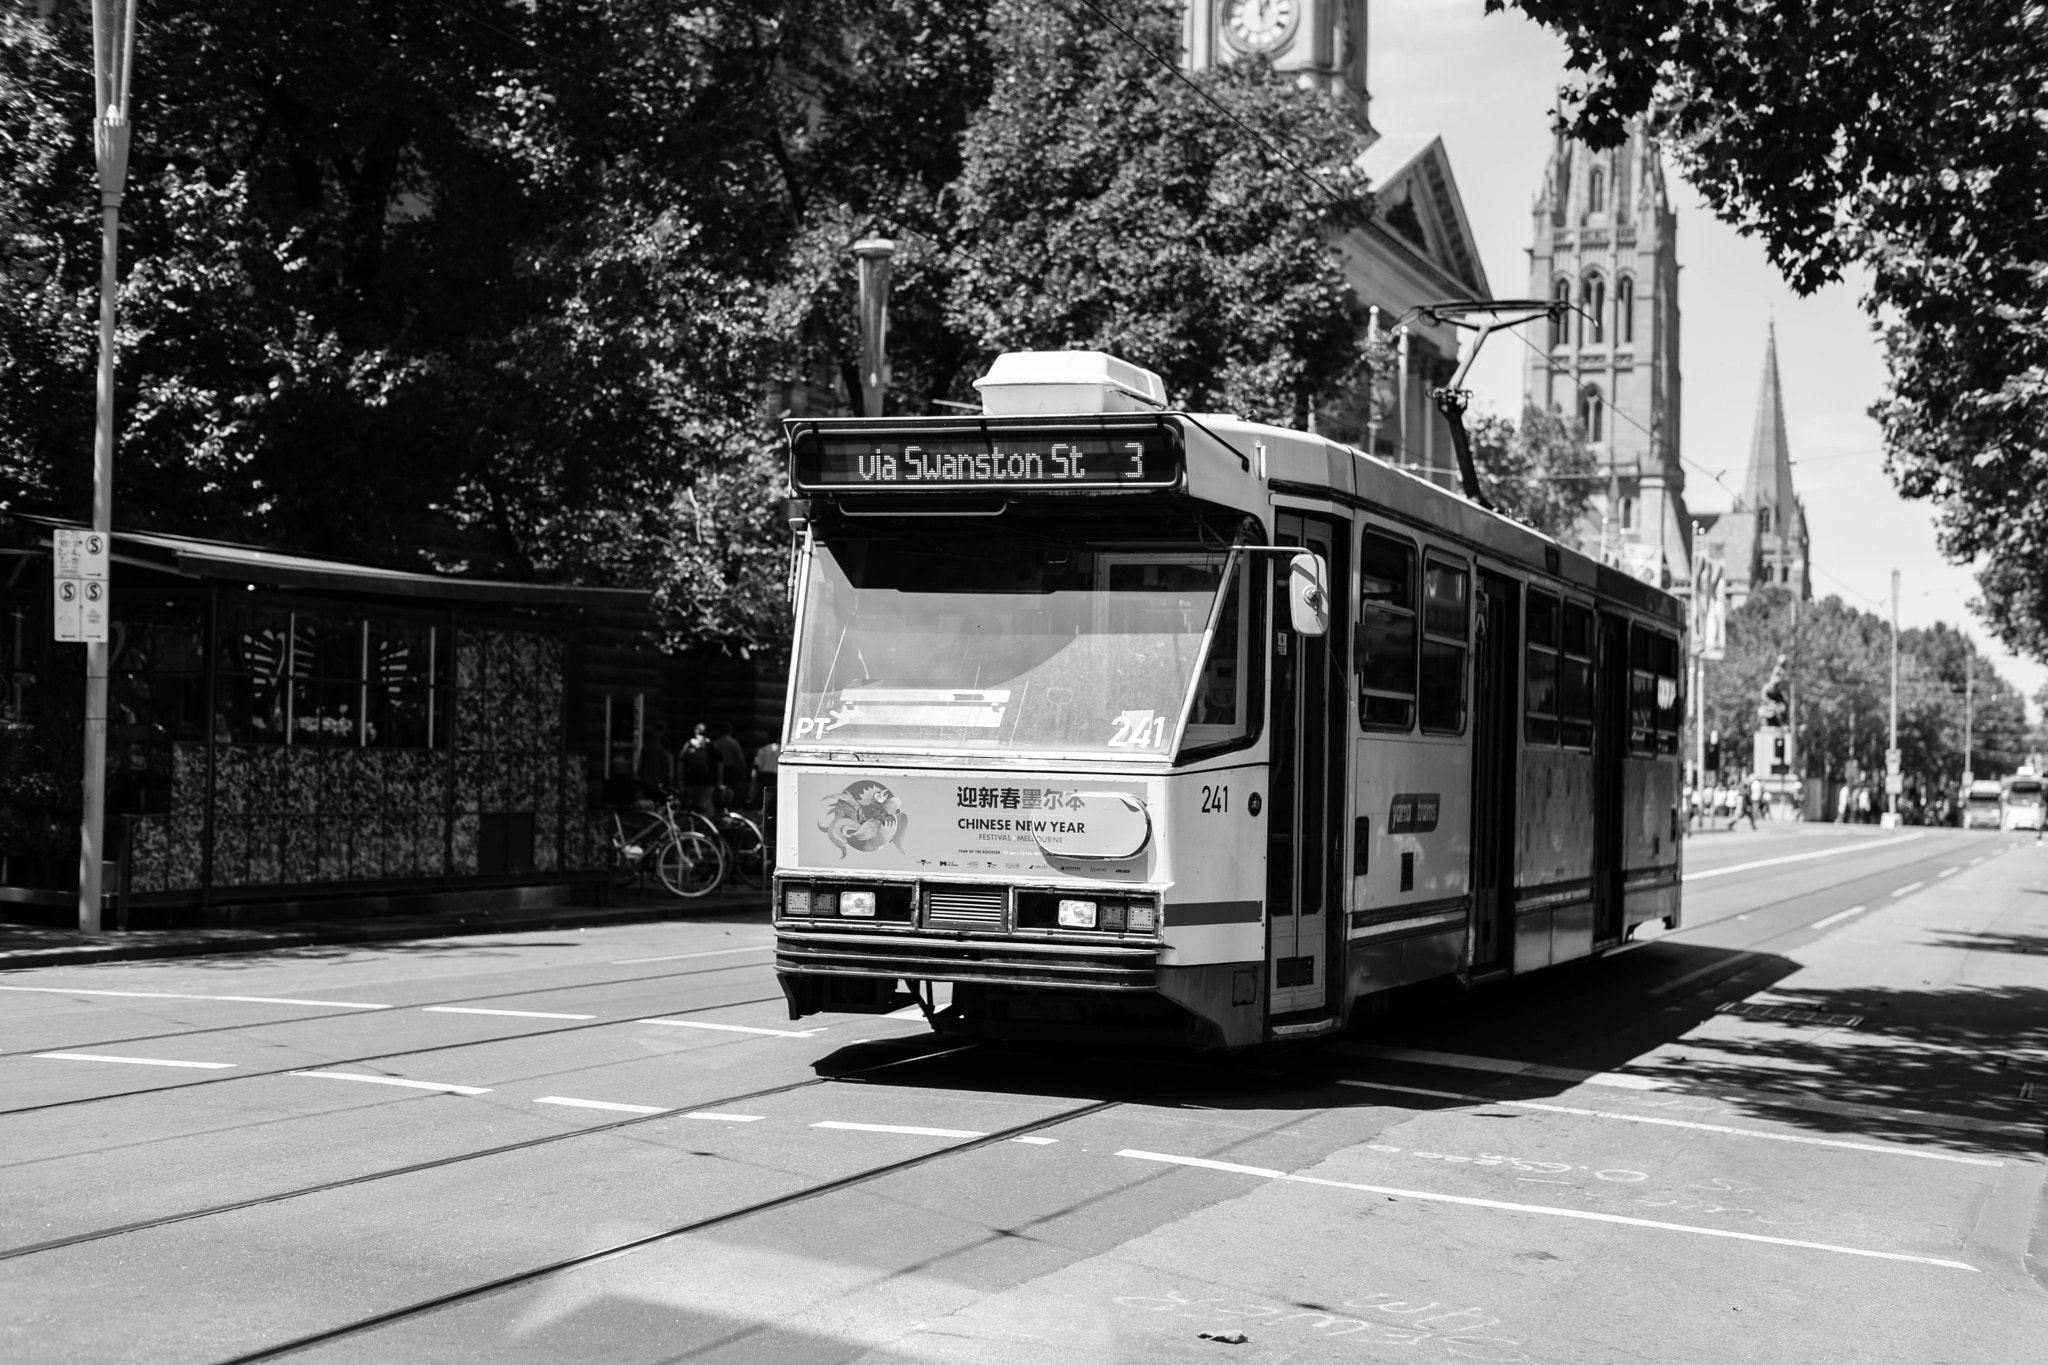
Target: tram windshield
[[970, 640]]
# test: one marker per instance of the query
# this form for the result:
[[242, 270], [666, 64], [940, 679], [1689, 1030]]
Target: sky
[[1485, 85]]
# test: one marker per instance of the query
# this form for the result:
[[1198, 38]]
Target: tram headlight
[[1077, 914], [824, 902], [796, 900], [1143, 918], [857, 904]]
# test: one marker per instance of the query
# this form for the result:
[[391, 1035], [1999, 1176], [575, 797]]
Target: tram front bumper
[[1009, 962]]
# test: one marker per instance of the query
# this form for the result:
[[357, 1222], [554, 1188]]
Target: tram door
[[1496, 709], [1610, 753], [1302, 840]]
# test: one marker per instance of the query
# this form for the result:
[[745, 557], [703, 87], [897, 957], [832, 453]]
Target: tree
[[1907, 140], [1540, 473], [1103, 204]]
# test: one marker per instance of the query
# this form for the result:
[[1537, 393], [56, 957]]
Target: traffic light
[[1713, 751]]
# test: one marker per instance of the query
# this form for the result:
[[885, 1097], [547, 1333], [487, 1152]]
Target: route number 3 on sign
[[82, 605]]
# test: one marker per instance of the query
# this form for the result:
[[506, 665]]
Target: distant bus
[[2022, 809], [1984, 805], [1118, 719]]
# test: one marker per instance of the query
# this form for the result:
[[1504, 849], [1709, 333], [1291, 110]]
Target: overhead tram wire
[[1278, 153]]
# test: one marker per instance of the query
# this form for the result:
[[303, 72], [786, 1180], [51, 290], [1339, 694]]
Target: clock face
[[1259, 25]]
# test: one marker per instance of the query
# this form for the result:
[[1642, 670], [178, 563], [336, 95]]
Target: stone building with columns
[[1605, 241]]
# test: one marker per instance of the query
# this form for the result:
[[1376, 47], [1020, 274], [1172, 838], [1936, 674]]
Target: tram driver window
[[1222, 713], [1539, 688], [1575, 678], [1445, 596], [1386, 633]]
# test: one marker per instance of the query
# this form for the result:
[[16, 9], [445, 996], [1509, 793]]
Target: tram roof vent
[[1029, 383]]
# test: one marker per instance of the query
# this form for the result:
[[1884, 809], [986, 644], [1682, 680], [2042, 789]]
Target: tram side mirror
[[1308, 594]]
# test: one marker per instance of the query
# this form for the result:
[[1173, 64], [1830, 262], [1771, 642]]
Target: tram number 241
[[1215, 800]]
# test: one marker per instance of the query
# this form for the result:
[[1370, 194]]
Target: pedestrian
[[1748, 808], [1843, 810], [733, 773], [1756, 798], [699, 764], [767, 760]]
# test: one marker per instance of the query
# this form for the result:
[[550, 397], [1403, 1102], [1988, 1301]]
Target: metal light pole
[[113, 51], [1969, 708], [874, 255], [1892, 797]]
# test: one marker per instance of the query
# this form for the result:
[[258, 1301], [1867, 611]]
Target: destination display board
[[981, 456]]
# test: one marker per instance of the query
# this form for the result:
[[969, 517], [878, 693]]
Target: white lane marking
[[509, 1014], [1948, 872], [1978, 859], [133, 1061], [1430, 1196], [724, 1118], [1465, 1062], [1797, 858], [1030, 1141], [902, 1128], [1739, 961], [1839, 916], [172, 995], [681, 957], [568, 1103], [1908, 889], [1687, 1123], [734, 1028], [394, 1080]]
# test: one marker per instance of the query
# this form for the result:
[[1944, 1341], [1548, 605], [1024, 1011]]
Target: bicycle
[[746, 852], [688, 862]]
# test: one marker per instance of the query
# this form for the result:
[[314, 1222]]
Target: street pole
[[874, 255], [1892, 797], [113, 51], [1969, 704]]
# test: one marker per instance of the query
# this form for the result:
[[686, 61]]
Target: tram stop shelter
[[303, 736]]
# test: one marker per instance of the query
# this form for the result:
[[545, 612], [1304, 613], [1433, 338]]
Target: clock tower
[[1320, 41]]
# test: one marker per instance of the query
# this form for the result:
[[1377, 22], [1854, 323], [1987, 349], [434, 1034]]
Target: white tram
[[1062, 731]]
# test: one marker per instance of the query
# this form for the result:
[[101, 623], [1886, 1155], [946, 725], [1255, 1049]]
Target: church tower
[[1606, 242], [1319, 42], [1764, 539]]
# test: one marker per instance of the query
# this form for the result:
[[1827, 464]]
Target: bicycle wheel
[[690, 865], [748, 850]]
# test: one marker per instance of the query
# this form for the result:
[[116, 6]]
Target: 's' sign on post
[[82, 606]]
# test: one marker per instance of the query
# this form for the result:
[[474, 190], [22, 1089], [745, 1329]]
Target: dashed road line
[[172, 995], [1031, 1141], [715, 1117], [1694, 1125], [132, 1061], [1908, 889], [683, 957], [734, 1028], [1839, 916], [1797, 858], [902, 1128], [607, 1105], [395, 1080], [1545, 1210], [509, 1014], [1947, 872]]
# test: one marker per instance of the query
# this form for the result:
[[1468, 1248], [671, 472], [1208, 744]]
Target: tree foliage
[[1908, 139], [525, 289], [1104, 204], [1840, 665], [1541, 472]]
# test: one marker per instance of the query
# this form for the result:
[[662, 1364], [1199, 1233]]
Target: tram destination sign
[[948, 456]]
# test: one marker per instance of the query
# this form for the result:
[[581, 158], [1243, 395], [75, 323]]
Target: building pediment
[[1417, 201]]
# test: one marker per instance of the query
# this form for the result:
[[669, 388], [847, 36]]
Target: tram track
[[371, 1057], [485, 1289], [457, 1158], [337, 1013]]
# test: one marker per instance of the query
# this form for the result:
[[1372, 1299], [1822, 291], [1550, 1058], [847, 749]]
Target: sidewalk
[[24, 945]]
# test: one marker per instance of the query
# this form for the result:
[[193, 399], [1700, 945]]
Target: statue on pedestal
[[1774, 712]]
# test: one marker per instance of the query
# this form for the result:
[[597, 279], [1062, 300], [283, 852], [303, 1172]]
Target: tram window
[[1575, 678], [1539, 692], [1223, 713], [1655, 700], [1670, 698], [1444, 632], [1386, 633]]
